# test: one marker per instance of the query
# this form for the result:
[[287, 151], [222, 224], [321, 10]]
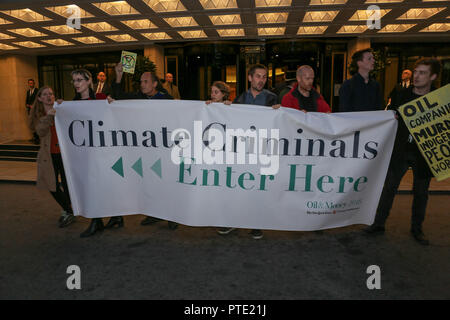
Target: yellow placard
[[128, 60], [428, 121]]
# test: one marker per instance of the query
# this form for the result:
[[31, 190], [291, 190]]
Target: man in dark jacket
[[303, 96], [149, 87], [148, 90], [31, 96], [406, 154], [257, 95], [361, 93]]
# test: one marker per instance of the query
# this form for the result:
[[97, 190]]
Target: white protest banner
[[215, 165]]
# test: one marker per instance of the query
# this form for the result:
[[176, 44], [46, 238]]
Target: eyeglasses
[[77, 80]]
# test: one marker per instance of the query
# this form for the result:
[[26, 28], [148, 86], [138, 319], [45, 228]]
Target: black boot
[[115, 221], [420, 237], [96, 225]]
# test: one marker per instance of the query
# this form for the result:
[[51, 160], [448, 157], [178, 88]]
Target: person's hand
[[276, 106], [59, 101], [227, 102], [302, 110], [51, 112], [208, 101], [119, 72], [110, 99]]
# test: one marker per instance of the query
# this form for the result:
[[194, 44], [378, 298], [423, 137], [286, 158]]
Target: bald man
[[102, 87], [303, 96], [406, 82], [170, 87]]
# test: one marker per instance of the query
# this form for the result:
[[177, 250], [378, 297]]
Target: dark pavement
[[153, 262]]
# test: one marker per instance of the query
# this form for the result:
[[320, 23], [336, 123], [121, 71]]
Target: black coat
[[30, 98]]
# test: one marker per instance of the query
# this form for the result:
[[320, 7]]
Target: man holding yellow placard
[[407, 154]]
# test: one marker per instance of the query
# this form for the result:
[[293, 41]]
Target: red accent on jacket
[[289, 101]]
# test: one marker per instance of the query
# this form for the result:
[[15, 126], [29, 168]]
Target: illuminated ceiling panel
[[320, 16], [276, 17], [352, 29], [3, 21], [181, 22], [121, 37], [100, 26], [225, 19], [390, 28], [271, 31], [89, 40], [139, 24], [29, 44], [58, 42], [27, 32], [383, 1], [326, 2], [165, 5], [231, 32], [7, 47], [26, 15], [420, 13], [67, 11], [363, 15], [192, 34], [4, 36], [218, 4], [157, 36], [312, 30], [62, 29], [437, 27], [272, 3], [116, 8]]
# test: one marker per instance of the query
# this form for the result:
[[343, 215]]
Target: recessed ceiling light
[[364, 15], [218, 4], [29, 44], [390, 28], [100, 26], [352, 29], [326, 2], [7, 47], [62, 29], [320, 16], [312, 30], [67, 11], [192, 34], [28, 32], [26, 15], [181, 22], [437, 27], [226, 19], [271, 31], [58, 42], [275, 17], [139, 24], [3, 21], [116, 8], [231, 32], [272, 3], [88, 40], [4, 36], [420, 13], [165, 5], [121, 37], [156, 36]]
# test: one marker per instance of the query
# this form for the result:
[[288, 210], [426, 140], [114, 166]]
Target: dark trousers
[[61, 194], [397, 169]]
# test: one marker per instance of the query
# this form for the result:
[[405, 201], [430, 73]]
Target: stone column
[[15, 70], [156, 54]]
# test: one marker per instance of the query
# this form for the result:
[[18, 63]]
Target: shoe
[[256, 234], [115, 221], [420, 237], [63, 214], [66, 219], [96, 225], [172, 225], [224, 231], [374, 230], [149, 220]]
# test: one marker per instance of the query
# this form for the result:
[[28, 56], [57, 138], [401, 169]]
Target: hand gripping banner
[[215, 165]]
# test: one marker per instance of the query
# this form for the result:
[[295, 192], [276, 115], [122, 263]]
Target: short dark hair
[[435, 65], [253, 68], [358, 56]]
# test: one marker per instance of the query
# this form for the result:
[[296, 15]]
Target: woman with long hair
[[220, 92], [49, 162], [84, 90]]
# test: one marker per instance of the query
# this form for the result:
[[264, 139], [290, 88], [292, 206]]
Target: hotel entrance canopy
[[45, 27]]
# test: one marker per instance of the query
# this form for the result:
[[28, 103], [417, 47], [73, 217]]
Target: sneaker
[[374, 230], [149, 220], [63, 214], [224, 231], [256, 234], [420, 237], [68, 219]]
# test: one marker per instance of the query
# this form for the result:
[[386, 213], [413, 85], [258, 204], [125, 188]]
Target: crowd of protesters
[[359, 93]]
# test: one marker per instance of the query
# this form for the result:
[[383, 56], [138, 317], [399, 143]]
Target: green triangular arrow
[[156, 167], [137, 166], [118, 167]]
